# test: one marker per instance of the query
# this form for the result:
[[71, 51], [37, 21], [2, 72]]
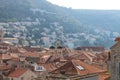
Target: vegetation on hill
[[92, 27]]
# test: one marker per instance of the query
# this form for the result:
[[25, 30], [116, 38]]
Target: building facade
[[1, 35], [114, 60]]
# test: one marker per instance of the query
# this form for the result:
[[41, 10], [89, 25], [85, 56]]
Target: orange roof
[[17, 72], [117, 39], [45, 58], [102, 66], [6, 56], [52, 66], [4, 67], [15, 59], [32, 49], [14, 50], [4, 44], [79, 56], [88, 68], [104, 76], [61, 59], [71, 68], [30, 54]]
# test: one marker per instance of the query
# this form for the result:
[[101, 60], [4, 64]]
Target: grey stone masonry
[[114, 63]]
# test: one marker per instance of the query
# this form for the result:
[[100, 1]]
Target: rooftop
[[17, 72], [71, 68]]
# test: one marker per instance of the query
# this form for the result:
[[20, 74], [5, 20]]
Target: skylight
[[80, 67], [39, 68]]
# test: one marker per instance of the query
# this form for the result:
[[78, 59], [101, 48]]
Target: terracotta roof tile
[[88, 68], [6, 56], [79, 56], [30, 54], [71, 68], [4, 44], [117, 39], [45, 58], [104, 76], [14, 50], [32, 49], [52, 66], [17, 72], [4, 67]]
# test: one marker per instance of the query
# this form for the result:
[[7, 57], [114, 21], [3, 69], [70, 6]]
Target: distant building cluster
[[53, 63]]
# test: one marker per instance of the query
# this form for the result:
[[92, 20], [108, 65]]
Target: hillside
[[107, 19], [38, 22]]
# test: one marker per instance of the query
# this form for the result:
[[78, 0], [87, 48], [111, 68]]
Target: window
[[22, 78], [80, 67], [39, 68]]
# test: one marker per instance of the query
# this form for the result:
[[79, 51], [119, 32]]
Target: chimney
[[117, 39], [62, 72]]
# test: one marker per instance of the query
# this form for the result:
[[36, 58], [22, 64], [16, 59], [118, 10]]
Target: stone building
[[1, 35], [22, 74], [114, 60]]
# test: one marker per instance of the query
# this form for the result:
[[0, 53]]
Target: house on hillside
[[92, 48], [4, 47]]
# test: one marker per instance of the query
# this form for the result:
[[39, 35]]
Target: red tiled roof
[[79, 56], [17, 72], [14, 50], [83, 56], [71, 68], [31, 49], [45, 58], [9, 57], [6, 56], [52, 66], [15, 59], [104, 76], [60, 59], [30, 54], [4, 67], [4, 44], [117, 39], [87, 68]]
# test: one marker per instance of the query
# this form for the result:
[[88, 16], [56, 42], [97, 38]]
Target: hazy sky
[[88, 4]]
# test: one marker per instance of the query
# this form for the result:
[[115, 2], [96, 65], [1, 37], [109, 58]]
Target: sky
[[88, 4]]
